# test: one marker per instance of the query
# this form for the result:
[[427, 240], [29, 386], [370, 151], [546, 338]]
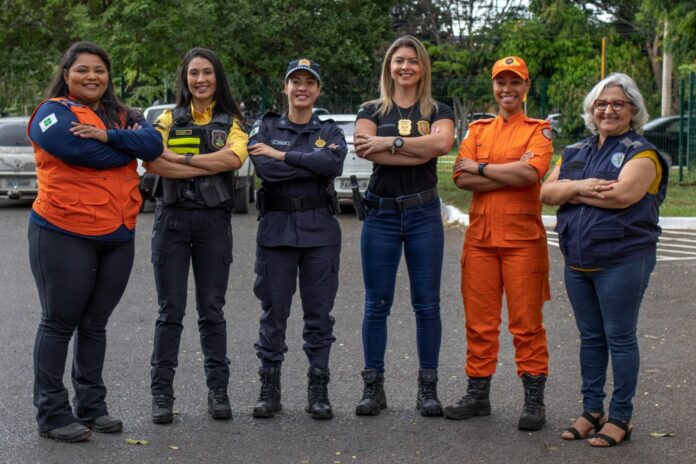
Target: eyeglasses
[[616, 105]]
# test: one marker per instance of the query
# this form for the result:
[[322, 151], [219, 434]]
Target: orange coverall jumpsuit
[[505, 249]]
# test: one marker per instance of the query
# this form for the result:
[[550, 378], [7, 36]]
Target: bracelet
[[481, 167]]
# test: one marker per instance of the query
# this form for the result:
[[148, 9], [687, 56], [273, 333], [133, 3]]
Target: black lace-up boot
[[219, 403], [476, 402], [318, 404], [374, 398], [534, 413], [162, 409], [427, 402], [268, 403]]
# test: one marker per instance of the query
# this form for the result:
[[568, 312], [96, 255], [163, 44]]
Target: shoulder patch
[[548, 133], [48, 121], [482, 122], [617, 159], [255, 129]]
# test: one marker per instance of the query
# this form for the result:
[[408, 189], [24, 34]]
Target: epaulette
[[269, 114], [481, 122]]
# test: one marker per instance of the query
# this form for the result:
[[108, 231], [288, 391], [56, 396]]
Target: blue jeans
[[606, 304], [418, 231]]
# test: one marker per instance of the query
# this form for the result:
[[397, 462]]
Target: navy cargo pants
[[276, 280], [203, 238]]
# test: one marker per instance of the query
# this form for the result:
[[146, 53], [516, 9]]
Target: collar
[[313, 125], [517, 117], [206, 114]]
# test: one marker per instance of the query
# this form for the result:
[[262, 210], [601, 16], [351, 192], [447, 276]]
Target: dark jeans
[[276, 280], [418, 231], [80, 282], [182, 237], [606, 307]]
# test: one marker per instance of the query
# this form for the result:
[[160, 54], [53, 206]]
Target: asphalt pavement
[[664, 402]]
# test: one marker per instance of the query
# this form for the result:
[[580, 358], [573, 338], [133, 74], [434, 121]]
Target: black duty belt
[[297, 203], [403, 202]]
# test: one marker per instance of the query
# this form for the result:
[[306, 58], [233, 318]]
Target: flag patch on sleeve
[[48, 121]]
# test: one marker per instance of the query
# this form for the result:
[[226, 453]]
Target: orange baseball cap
[[511, 63]]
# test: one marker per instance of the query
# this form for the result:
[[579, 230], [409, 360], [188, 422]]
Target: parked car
[[353, 165], [245, 192], [17, 165], [555, 122], [663, 132], [320, 111], [471, 117]]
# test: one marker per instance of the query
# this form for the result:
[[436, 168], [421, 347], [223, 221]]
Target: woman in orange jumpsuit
[[502, 160]]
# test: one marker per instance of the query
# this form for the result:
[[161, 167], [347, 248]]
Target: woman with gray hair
[[609, 188]]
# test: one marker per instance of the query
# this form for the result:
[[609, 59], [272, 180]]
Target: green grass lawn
[[681, 198]]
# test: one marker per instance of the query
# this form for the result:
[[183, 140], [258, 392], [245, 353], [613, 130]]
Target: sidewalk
[[454, 215]]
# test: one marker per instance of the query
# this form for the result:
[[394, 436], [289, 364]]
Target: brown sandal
[[611, 441], [596, 423]]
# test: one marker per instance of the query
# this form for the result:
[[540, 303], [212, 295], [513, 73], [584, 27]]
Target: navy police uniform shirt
[[314, 155]]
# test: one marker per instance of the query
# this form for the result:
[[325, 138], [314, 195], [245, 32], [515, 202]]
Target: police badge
[[218, 138]]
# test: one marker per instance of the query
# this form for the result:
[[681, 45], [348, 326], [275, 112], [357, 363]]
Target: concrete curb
[[453, 215]]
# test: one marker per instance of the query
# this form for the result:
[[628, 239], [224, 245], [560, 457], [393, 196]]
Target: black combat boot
[[427, 402], [318, 404], [162, 409], [534, 413], [219, 403], [268, 403], [373, 399], [475, 402]]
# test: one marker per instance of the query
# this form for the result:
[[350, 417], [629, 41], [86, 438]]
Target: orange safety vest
[[84, 200], [510, 216]]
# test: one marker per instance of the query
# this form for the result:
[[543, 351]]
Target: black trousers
[[182, 237], [276, 280], [80, 282]]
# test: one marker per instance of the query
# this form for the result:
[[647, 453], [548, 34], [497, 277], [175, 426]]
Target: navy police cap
[[303, 64]]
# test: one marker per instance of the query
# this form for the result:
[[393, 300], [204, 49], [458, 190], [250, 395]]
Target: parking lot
[[664, 402]]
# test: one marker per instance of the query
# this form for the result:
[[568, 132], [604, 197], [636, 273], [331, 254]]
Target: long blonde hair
[[385, 102]]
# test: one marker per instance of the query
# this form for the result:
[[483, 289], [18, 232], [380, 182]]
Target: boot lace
[[370, 391], [219, 396], [318, 390], [429, 391], [533, 400], [267, 388], [161, 401]]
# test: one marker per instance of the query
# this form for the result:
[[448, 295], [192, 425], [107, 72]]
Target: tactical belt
[[403, 202], [297, 203]]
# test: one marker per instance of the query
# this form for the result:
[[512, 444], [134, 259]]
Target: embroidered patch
[[423, 127], [183, 132], [321, 143], [219, 138], [254, 131], [617, 159], [48, 121]]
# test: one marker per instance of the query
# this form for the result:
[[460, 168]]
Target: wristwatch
[[187, 158], [481, 167], [397, 144]]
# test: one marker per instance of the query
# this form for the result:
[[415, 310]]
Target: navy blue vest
[[592, 237]]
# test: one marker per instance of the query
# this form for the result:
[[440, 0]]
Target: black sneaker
[[162, 412], [219, 403], [104, 424], [71, 433]]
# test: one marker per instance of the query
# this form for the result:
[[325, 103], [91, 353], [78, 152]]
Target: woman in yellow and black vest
[[204, 142], [81, 234]]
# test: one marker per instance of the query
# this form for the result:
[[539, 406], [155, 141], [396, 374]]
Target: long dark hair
[[112, 110], [224, 101]]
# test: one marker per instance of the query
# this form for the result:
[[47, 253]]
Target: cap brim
[[511, 70], [302, 68]]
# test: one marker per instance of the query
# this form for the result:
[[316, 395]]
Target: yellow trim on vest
[[184, 141], [185, 150]]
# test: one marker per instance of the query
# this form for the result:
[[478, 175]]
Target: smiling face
[[404, 67], [509, 90], [610, 121], [87, 79], [302, 89], [201, 81]]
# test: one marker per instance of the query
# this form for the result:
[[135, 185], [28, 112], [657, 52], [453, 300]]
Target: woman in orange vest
[[81, 234], [502, 160]]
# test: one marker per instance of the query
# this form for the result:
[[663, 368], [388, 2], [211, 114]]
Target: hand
[[366, 145], [87, 131], [527, 156], [466, 165], [261, 149], [134, 126], [594, 188]]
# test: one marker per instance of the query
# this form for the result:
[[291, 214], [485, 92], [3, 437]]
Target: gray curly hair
[[629, 87]]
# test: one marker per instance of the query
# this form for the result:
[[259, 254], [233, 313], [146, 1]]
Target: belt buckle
[[296, 203]]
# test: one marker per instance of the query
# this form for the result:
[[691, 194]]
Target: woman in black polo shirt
[[403, 132]]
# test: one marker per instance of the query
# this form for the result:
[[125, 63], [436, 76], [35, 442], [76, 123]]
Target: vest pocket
[[605, 240], [522, 221]]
